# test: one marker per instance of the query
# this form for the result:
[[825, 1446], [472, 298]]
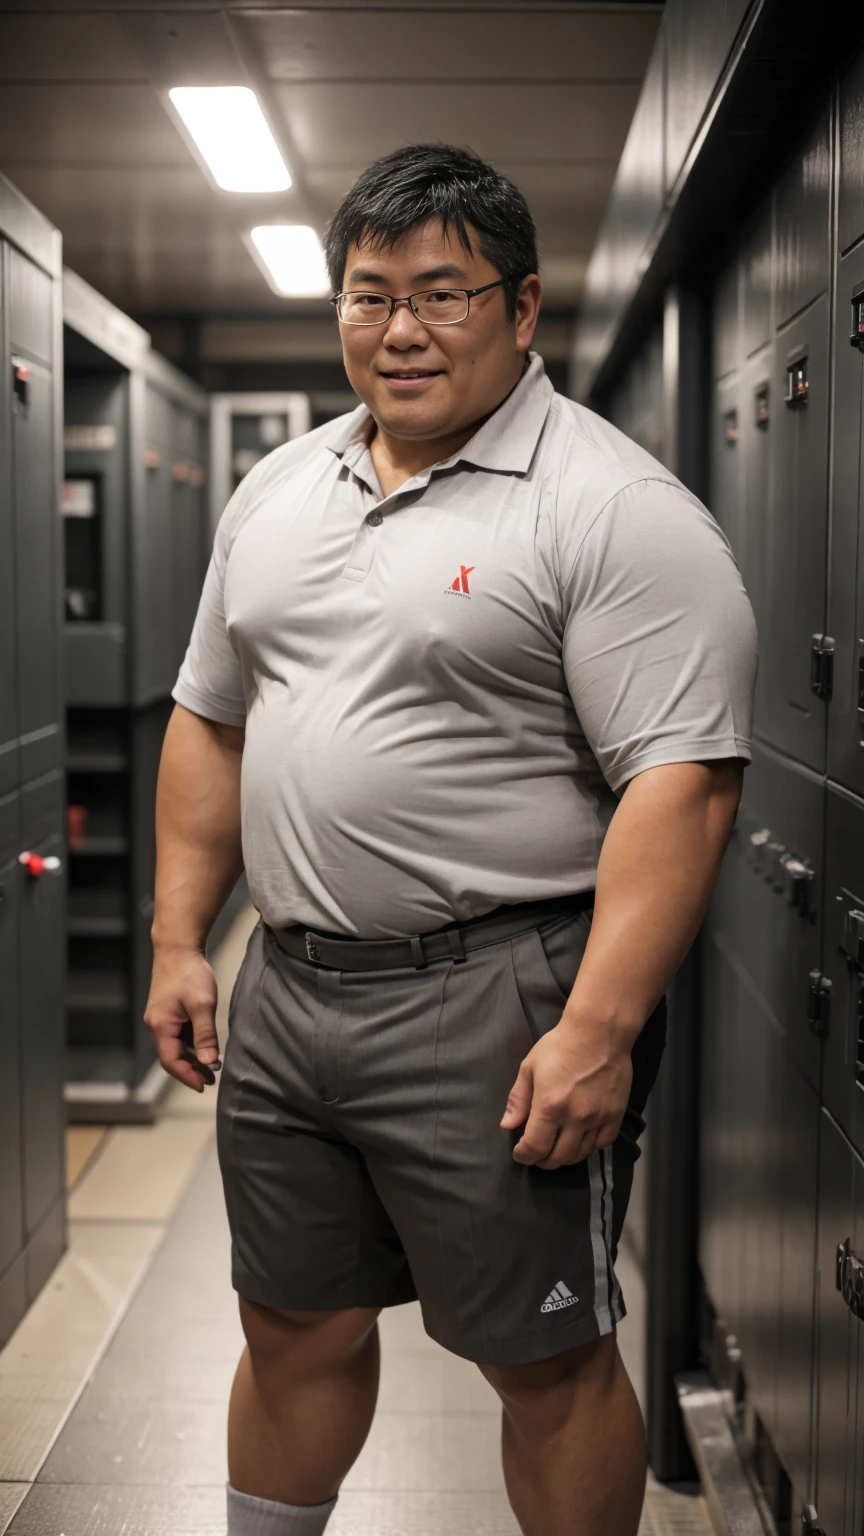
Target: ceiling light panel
[[231, 134], [292, 259]]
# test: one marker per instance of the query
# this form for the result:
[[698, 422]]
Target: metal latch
[[312, 949], [819, 1008], [810, 1521], [853, 937], [797, 385], [797, 878], [857, 336], [822, 666], [850, 1277]]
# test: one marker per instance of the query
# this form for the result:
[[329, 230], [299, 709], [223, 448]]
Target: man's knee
[[544, 1388], [305, 1340]]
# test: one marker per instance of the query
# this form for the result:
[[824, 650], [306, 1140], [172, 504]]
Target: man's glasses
[[434, 306]]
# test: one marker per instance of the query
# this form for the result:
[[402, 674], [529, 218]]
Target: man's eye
[[442, 296], [367, 300]]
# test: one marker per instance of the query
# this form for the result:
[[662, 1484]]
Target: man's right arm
[[198, 860]]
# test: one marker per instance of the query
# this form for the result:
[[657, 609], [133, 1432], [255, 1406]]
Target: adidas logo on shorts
[[558, 1297]]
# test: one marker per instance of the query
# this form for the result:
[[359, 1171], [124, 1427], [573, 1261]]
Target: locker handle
[[861, 683], [850, 1278], [810, 1521], [36, 865]]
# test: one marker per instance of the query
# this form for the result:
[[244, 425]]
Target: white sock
[[261, 1517]]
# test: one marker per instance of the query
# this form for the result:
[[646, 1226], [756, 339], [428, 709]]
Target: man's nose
[[403, 329]]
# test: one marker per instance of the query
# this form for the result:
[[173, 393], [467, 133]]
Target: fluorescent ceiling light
[[231, 133], [293, 259]]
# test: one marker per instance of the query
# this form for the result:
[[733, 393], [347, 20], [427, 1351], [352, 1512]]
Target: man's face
[[433, 381]]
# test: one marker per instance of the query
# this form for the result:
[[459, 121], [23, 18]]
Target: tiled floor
[[112, 1410]]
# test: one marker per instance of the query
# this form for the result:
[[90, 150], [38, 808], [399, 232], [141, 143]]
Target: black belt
[[450, 943]]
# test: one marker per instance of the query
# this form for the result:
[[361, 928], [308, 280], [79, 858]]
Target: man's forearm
[[657, 871], [199, 855]]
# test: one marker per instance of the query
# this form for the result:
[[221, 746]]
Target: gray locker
[[757, 249], [8, 616], [844, 962], [152, 567], [96, 404], [727, 502], [845, 621], [42, 923], [841, 1217], [11, 1204], [850, 210], [773, 880], [795, 1133], [802, 206], [758, 405], [726, 315], [792, 714], [37, 526]]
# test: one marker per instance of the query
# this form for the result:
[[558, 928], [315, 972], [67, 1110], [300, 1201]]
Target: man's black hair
[[411, 186]]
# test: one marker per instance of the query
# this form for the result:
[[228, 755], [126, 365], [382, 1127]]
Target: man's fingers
[[574, 1144], [540, 1134], [204, 1038], [174, 1058], [519, 1100]]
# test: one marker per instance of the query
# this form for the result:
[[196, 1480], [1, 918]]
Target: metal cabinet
[[850, 200], [32, 899], [845, 621], [11, 1204], [792, 713], [42, 1029], [756, 260], [844, 962], [841, 1221], [802, 225]]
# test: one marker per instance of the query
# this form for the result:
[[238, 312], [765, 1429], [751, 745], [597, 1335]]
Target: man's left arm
[[657, 871]]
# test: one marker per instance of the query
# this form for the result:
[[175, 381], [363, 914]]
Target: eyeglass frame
[[470, 293]]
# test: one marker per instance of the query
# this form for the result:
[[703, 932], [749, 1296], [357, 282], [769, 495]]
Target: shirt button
[[374, 519]]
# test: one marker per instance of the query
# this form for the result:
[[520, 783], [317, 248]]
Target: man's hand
[[572, 1090], [181, 1016]]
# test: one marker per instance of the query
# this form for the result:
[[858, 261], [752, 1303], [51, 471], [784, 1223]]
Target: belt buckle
[[312, 950]]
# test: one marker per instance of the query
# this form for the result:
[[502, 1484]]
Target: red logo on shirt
[[460, 585]]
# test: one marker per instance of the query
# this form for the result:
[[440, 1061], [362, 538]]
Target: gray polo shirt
[[444, 688]]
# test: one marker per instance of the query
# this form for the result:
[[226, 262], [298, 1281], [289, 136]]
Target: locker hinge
[[850, 1277], [822, 666], [810, 1521], [819, 1010]]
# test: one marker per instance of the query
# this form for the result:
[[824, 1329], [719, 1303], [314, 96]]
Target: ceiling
[[545, 90]]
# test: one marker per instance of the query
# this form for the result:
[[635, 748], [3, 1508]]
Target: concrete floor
[[113, 1391]]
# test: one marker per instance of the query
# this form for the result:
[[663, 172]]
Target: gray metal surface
[[37, 529], [732, 1502], [802, 226], [8, 616], [850, 211], [756, 253], [844, 894], [11, 1203], [841, 1187], [846, 589]]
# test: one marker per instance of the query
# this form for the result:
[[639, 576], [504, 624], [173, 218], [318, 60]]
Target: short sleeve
[[210, 681], [659, 638]]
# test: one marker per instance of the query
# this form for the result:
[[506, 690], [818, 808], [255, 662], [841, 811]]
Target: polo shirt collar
[[505, 443]]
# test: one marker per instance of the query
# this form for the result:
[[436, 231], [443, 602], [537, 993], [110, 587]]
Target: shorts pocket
[[541, 996]]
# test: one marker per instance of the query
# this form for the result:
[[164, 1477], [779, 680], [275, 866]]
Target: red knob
[[33, 863]]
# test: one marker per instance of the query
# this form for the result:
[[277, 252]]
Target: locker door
[[42, 974], [839, 1331], [726, 498], [8, 623], [11, 1210], [778, 841], [755, 428], [797, 1131], [792, 716], [37, 521], [186, 570], [154, 556], [843, 1086], [846, 592]]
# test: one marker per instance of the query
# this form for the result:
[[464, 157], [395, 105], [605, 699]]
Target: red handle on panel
[[33, 863]]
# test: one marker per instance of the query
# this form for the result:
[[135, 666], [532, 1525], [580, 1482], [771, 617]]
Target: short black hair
[[420, 182]]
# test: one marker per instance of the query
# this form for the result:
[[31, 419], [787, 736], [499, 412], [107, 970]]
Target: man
[[490, 658]]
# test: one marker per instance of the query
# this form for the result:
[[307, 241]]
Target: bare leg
[[302, 1401], [573, 1443]]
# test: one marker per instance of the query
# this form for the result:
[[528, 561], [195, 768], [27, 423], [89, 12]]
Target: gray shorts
[[363, 1162]]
